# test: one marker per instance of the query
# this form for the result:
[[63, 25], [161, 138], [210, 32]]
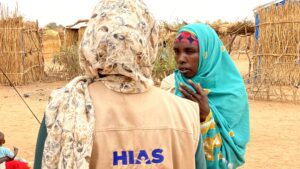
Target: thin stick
[[12, 85]]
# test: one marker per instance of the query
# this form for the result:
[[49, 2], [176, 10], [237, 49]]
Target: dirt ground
[[274, 126]]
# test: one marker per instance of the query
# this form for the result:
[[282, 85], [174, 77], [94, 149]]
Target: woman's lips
[[183, 70]]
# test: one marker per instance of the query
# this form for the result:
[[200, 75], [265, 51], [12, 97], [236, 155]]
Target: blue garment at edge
[[6, 152], [227, 98]]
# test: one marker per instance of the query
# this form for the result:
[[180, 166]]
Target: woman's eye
[[176, 51], [189, 51]]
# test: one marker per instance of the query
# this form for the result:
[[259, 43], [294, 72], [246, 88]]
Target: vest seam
[[129, 129]]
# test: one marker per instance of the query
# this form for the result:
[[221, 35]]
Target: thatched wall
[[71, 37], [276, 59], [80, 33], [61, 34], [20, 51], [74, 33]]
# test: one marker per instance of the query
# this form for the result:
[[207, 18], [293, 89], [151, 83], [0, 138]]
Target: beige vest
[[155, 129]]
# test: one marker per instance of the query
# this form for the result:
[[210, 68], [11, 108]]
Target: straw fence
[[20, 50], [276, 59]]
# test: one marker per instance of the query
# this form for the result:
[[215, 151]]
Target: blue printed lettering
[[143, 157], [131, 157], [157, 156], [122, 158]]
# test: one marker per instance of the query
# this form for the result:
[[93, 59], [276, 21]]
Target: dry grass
[[65, 64]]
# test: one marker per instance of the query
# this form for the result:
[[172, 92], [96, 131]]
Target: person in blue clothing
[[5, 153], [207, 75], [8, 159]]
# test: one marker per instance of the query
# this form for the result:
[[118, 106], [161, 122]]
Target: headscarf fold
[[227, 97], [118, 47]]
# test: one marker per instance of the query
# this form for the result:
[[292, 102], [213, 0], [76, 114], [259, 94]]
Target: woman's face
[[187, 58]]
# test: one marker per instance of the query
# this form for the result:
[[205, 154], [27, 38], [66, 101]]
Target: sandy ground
[[275, 130], [17, 123]]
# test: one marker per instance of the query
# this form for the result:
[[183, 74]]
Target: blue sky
[[67, 12]]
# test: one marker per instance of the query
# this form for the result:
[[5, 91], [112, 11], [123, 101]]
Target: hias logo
[[128, 157]]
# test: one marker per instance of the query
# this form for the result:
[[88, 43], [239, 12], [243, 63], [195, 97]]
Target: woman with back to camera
[[113, 117]]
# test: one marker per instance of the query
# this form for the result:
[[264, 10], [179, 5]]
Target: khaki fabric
[[155, 129]]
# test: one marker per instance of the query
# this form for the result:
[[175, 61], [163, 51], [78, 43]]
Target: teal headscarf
[[227, 97]]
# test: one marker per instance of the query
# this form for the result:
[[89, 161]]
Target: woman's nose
[[181, 59]]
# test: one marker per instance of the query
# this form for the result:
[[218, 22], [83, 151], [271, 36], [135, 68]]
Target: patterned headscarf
[[187, 37], [120, 45]]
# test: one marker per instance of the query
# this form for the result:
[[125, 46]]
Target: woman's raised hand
[[199, 96]]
